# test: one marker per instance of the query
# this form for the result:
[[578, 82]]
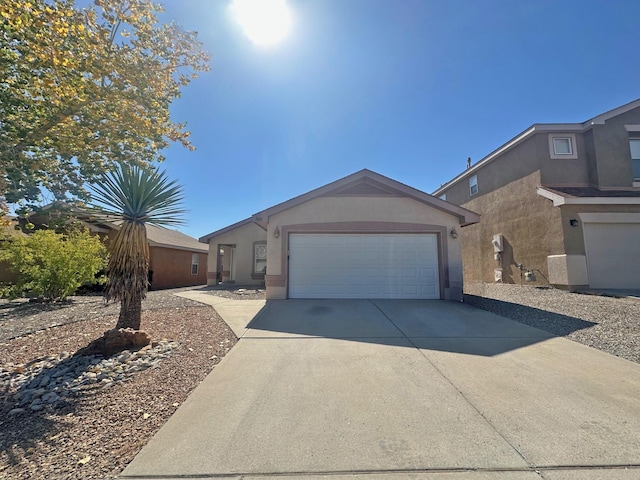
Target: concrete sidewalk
[[391, 389], [236, 313]]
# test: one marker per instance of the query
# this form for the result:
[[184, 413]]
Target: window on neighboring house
[[563, 146], [195, 258], [473, 185], [634, 144], [260, 258], [443, 196]]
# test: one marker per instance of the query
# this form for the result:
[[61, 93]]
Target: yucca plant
[[131, 196]]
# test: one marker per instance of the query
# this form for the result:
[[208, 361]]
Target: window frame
[[473, 182], [254, 273], [636, 180], [196, 257], [571, 137]]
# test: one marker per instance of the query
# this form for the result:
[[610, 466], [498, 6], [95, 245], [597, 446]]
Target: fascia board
[[603, 201], [559, 200], [175, 247]]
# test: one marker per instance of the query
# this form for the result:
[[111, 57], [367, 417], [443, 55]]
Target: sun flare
[[265, 22]]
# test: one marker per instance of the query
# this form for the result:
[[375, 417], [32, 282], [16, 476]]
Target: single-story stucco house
[[363, 236]]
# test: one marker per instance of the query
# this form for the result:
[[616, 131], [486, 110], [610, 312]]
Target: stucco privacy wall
[[374, 215], [243, 238]]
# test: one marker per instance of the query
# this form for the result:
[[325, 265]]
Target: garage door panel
[[428, 273], [613, 254], [410, 290], [363, 266], [409, 273]]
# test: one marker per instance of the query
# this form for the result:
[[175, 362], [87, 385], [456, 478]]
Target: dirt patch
[[98, 431]]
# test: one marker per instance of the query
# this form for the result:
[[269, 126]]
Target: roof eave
[[203, 249], [559, 200], [481, 163], [466, 217], [539, 128], [206, 238]]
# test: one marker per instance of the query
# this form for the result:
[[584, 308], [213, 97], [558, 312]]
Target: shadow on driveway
[[432, 324]]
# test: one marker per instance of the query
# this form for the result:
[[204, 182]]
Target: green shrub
[[52, 265]]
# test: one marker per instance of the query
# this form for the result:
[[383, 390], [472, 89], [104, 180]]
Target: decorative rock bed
[[48, 381]]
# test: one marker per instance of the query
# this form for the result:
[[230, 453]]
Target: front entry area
[[402, 266], [225, 264]]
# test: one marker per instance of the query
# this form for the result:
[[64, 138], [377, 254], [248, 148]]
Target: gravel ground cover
[[607, 323], [20, 317], [237, 292], [94, 431]]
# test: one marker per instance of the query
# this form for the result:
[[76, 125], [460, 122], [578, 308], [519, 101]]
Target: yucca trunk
[[127, 272]]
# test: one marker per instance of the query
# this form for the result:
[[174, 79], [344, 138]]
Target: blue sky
[[407, 88]]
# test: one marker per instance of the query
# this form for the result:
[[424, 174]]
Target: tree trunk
[[130, 313]]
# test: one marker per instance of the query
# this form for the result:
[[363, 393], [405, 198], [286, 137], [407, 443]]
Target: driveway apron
[[402, 389]]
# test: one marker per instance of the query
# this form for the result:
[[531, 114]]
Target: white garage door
[[613, 254], [363, 266]]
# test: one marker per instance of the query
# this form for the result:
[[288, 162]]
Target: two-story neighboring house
[[560, 201]]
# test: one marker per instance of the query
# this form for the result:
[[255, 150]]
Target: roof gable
[[206, 238], [363, 188], [368, 183]]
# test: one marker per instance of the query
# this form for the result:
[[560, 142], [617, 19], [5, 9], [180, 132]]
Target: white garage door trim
[[363, 265], [613, 254]]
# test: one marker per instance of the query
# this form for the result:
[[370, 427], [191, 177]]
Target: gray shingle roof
[[164, 237]]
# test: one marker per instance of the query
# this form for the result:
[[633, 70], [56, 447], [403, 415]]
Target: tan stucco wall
[[611, 150], [530, 225], [389, 210], [516, 163], [172, 268], [533, 228], [243, 238], [562, 171]]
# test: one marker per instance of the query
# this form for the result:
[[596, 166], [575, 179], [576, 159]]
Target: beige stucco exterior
[[359, 215], [238, 257], [364, 202]]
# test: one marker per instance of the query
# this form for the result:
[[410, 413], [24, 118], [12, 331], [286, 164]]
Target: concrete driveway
[[402, 389]]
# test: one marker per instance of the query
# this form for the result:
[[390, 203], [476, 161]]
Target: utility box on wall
[[498, 243]]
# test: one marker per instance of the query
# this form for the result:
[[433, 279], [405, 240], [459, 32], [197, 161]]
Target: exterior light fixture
[[573, 222], [276, 232], [453, 232]]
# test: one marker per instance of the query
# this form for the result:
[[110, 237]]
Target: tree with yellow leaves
[[84, 89]]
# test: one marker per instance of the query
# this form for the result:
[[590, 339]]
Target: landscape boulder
[[117, 340]]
